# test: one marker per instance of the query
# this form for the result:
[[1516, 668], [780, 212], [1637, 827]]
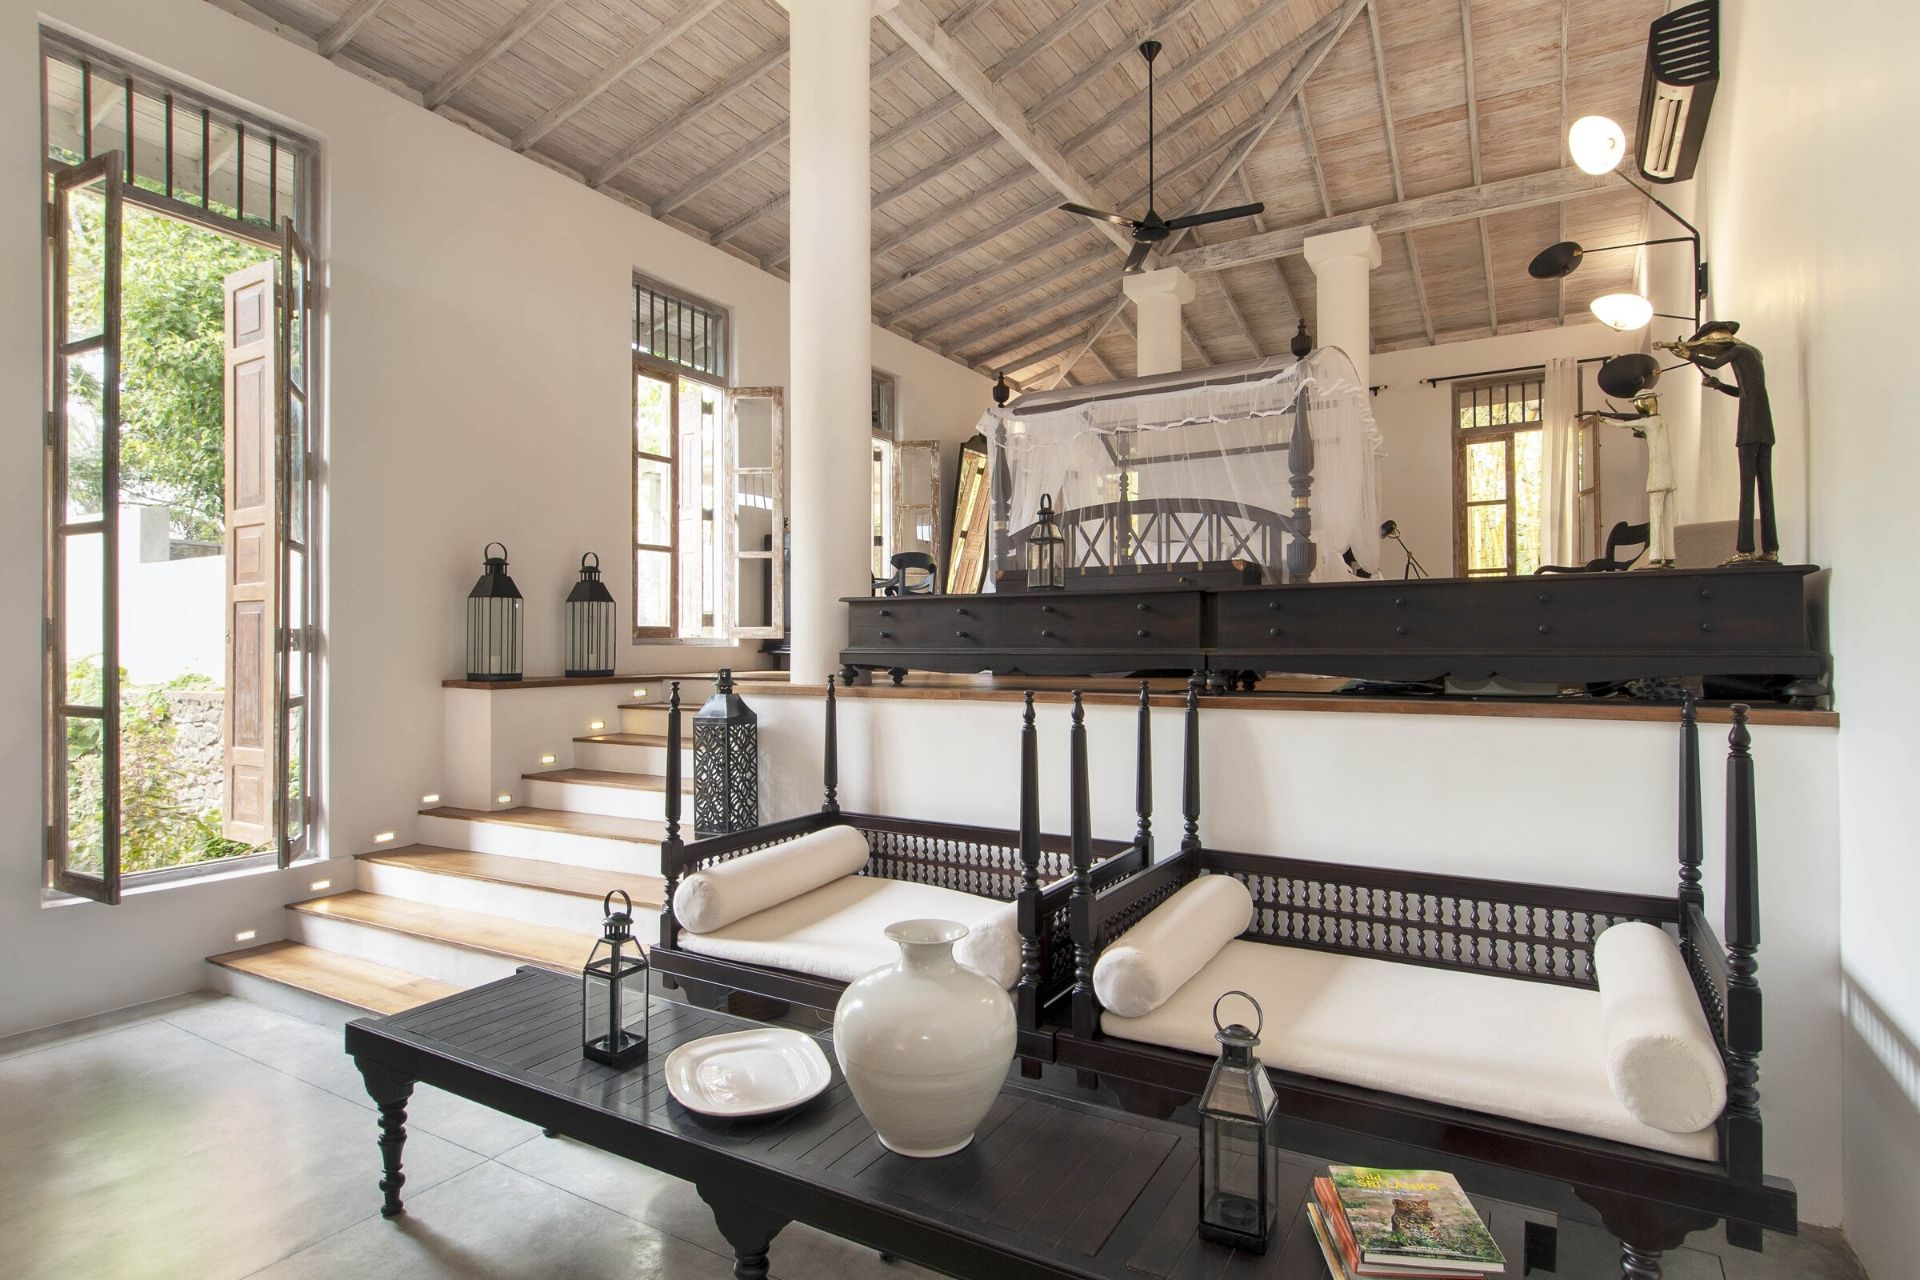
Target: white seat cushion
[[1530, 1051], [838, 930]]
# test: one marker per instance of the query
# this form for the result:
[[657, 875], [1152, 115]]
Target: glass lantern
[[726, 762], [589, 623], [1046, 551], [613, 990], [1239, 1147], [493, 621]]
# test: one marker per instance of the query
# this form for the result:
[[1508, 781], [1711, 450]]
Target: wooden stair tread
[[531, 873], [629, 739], [558, 949], [609, 778], [376, 988], [603, 826]]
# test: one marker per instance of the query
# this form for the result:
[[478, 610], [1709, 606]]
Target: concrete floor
[[206, 1138]]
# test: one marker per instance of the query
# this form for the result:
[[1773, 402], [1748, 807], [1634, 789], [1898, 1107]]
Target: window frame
[[1588, 445]]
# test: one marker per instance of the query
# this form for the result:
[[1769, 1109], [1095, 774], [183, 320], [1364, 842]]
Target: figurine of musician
[[1647, 423], [1714, 346]]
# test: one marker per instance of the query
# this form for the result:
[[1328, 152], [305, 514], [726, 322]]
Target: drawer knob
[[961, 612], [886, 635], [1706, 593], [1046, 608], [1274, 605], [1545, 629], [1400, 630], [1184, 580], [886, 613], [1400, 600], [1706, 626], [1544, 598], [1142, 633], [1273, 631], [960, 635], [1143, 607], [1046, 635]]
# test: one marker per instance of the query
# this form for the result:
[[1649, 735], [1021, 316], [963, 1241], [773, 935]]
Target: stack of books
[[1400, 1224]]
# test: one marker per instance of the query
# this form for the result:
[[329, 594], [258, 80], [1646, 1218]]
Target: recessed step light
[[383, 837], [432, 797], [318, 885], [548, 758], [596, 725], [246, 935], [505, 798]]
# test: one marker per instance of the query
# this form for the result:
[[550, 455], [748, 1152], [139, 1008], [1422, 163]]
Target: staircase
[[487, 890]]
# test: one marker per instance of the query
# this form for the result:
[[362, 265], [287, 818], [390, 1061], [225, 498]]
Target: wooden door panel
[[252, 413]]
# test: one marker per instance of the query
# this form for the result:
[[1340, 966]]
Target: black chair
[[1633, 537], [906, 564]]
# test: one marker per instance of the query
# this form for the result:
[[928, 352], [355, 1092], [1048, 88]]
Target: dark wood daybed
[[1033, 869], [1650, 1199]]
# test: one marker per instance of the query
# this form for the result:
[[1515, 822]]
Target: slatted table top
[[1051, 1186]]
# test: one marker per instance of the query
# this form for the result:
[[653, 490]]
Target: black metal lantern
[[1046, 551], [726, 762], [589, 623], [1239, 1147], [613, 990], [493, 621]]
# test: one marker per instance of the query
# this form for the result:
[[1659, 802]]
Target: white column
[[830, 317], [1342, 261], [1157, 299]]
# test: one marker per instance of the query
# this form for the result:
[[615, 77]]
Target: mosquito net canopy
[[1187, 468]]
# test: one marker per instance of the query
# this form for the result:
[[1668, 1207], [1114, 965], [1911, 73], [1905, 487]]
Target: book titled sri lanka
[[1327, 1216], [1413, 1218]]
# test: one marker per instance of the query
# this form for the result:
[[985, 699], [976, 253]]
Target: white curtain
[[1560, 464]]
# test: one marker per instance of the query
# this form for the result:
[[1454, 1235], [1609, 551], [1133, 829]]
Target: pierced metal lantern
[[613, 990], [493, 621], [726, 762], [589, 622], [1239, 1146], [1046, 551]]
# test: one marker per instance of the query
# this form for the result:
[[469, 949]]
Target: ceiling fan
[[1152, 229]]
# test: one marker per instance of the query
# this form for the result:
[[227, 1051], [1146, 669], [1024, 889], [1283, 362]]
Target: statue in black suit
[[1715, 346]]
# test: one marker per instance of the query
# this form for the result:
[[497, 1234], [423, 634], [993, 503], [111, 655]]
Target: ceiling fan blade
[[1218, 215], [1102, 215], [1139, 255]]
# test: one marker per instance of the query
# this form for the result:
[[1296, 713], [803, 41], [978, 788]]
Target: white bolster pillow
[[992, 944], [1662, 1062], [1141, 970], [716, 896]]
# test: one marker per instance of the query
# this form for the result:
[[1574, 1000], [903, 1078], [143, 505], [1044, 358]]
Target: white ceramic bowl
[[747, 1073]]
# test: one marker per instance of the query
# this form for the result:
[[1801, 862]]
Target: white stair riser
[[424, 956], [654, 720], [514, 841], [629, 759], [619, 802], [306, 1005], [516, 902]]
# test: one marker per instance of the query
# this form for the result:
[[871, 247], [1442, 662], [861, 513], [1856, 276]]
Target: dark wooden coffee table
[[1050, 1187]]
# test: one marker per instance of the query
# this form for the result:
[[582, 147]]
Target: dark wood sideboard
[[1750, 621]]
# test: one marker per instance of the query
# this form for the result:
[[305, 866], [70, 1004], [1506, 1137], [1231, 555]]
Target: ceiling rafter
[[1313, 155], [731, 85], [1566, 16], [641, 51], [503, 39], [342, 32], [1108, 60], [1259, 221], [1473, 155], [740, 159], [1393, 165]]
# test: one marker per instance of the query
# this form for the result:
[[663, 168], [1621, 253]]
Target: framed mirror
[[916, 497], [972, 506]]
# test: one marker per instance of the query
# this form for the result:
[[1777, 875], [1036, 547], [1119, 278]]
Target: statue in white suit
[[1647, 423]]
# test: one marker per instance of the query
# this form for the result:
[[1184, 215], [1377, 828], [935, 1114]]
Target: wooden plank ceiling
[[1321, 108]]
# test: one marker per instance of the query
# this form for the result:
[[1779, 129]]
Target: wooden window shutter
[[252, 555], [755, 449]]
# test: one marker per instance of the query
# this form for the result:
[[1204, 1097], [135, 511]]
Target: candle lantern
[[493, 621], [726, 762], [1239, 1148], [613, 990], [589, 622], [1046, 551]]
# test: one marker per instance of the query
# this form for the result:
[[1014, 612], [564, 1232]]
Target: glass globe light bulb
[[1622, 311], [1597, 143]]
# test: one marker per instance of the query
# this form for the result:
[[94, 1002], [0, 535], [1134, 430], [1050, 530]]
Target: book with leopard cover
[[1413, 1218]]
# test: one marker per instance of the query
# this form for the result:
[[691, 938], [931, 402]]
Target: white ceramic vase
[[925, 1042]]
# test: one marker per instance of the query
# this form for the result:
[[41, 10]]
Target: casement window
[[1497, 477], [708, 479], [179, 594], [905, 479]]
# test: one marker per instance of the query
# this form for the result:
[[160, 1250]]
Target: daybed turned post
[[1190, 779], [670, 847], [1026, 995], [1301, 553], [1692, 838], [830, 769], [1743, 964], [1143, 780], [1080, 831]]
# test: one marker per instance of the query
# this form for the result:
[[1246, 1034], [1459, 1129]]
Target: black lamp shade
[[1625, 377], [726, 762], [589, 622], [494, 622], [1556, 261]]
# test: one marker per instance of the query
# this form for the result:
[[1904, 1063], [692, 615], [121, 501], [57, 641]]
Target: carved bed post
[[670, 847], [1743, 945], [1692, 841], [830, 769], [1143, 780], [1080, 824], [1026, 995], [1000, 505], [1190, 779], [1301, 553]]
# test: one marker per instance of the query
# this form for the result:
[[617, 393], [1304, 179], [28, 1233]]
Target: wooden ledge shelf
[[1104, 691]]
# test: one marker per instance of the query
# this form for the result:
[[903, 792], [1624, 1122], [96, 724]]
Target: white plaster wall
[[1416, 421], [477, 313], [1590, 803], [1805, 193]]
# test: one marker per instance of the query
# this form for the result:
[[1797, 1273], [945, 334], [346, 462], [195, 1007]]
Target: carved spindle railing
[[1692, 838], [1190, 776], [671, 846], [1301, 553], [1143, 778], [830, 768], [1027, 994], [1743, 965], [1080, 832]]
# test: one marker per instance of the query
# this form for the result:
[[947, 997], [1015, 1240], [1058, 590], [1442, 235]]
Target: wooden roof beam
[[637, 54], [483, 55], [734, 83], [740, 159], [337, 36], [1473, 156], [1259, 221], [1108, 60], [1560, 301], [1393, 167]]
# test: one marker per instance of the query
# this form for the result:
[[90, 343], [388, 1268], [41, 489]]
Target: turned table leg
[[748, 1228], [390, 1091], [1646, 1229]]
